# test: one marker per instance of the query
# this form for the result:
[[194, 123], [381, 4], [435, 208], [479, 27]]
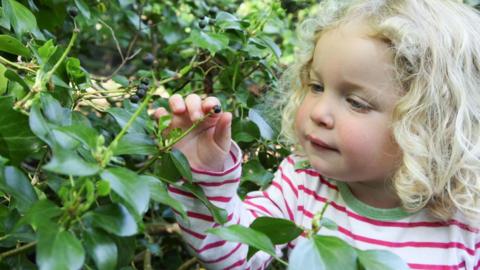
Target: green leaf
[[158, 192], [323, 252], [245, 131], [86, 135], [135, 144], [328, 223], [3, 80], [181, 163], [74, 70], [279, 230], [12, 76], [241, 234], [228, 21], [212, 42], [113, 218], [380, 260], [58, 249], [64, 161], [122, 116], [41, 213], [14, 46], [14, 182], [130, 187], [102, 249], [83, 7], [254, 171], [21, 19], [167, 171], [219, 214], [16, 139]]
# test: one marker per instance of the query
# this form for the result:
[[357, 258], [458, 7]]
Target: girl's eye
[[316, 87], [358, 106]]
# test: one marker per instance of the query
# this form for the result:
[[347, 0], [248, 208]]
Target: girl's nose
[[322, 112]]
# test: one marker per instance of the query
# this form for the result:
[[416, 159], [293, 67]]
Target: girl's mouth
[[317, 143]]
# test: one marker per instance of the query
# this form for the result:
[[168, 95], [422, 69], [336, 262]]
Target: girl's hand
[[208, 145]]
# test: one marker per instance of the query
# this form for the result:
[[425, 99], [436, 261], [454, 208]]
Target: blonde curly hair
[[436, 123]]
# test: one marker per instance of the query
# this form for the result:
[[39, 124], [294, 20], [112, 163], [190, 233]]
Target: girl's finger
[[177, 104], [194, 107], [160, 112], [209, 103], [223, 133]]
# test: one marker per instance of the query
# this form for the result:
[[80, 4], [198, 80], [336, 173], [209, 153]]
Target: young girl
[[384, 103]]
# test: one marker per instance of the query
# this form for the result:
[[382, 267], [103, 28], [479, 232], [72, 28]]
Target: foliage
[[84, 168]]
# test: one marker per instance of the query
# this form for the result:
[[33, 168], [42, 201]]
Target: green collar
[[367, 210]]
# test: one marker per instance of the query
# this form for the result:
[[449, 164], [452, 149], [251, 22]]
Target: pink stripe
[[436, 267], [200, 216], [398, 224], [290, 213], [289, 182], [258, 206], [211, 173], [237, 263], [290, 160], [216, 184], [192, 233], [364, 239], [253, 213], [190, 195], [234, 158], [209, 246], [224, 256], [477, 266]]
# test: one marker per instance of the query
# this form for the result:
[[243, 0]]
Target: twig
[[17, 250], [186, 265]]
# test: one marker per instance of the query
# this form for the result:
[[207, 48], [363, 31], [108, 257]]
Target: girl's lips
[[319, 143]]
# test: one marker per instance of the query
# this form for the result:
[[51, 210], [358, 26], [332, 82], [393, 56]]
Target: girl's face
[[343, 123]]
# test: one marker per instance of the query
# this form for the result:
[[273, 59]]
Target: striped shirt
[[297, 194]]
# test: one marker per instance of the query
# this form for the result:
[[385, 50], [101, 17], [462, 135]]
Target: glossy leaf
[[113, 218], [181, 163], [102, 249], [69, 163], [158, 193], [219, 214], [241, 234], [16, 139], [279, 230], [380, 260], [212, 42], [41, 213], [135, 144], [122, 116], [58, 249], [17, 184], [86, 135], [130, 187], [245, 131], [12, 45], [21, 19]]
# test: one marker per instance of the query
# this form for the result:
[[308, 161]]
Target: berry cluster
[[141, 91], [204, 21]]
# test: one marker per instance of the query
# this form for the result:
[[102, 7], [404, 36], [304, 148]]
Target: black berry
[[202, 24], [72, 11], [141, 92], [143, 86], [148, 59], [134, 98], [213, 11], [145, 81], [202, 17], [217, 109]]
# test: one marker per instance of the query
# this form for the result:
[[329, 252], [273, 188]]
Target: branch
[[17, 250]]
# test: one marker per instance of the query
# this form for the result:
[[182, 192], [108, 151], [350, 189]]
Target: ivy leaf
[[219, 215], [74, 70], [64, 161], [113, 218], [83, 7], [181, 163], [122, 116], [58, 249], [12, 76], [16, 139], [102, 249], [323, 252], [135, 144], [241, 234], [14, 182], [158, 193], [279, 230], [84, 134], [12, 45], [21, 19], [244, 130], [41, 213], [212, 42], [380, 260], [130, 187]]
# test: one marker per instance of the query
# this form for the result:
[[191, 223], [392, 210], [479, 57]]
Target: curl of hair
[[436, 122]]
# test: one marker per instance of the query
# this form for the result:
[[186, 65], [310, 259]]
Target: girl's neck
[[375, 194]]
